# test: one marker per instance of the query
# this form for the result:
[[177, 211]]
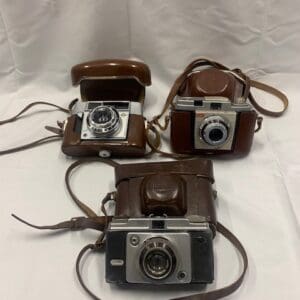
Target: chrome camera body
[[106, 120], [159, 250], [216, 120]]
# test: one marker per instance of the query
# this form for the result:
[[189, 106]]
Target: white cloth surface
[[258, 196]]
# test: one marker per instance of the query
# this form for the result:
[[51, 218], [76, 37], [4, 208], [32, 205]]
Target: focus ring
[[214, 130]]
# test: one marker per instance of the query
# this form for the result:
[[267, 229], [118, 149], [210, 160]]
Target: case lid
[[198, 167], [211, 82], [111, 79]]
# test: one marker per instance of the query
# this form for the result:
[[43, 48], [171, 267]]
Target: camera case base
[[182, 134], [134, 145], [108, 81]]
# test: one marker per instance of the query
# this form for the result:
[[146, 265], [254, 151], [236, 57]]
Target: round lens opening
[[157, 263], [103, 120], [157, 258], [214, 130], [216, 135], [102, 116]]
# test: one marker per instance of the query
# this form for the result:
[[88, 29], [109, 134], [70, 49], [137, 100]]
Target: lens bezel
[[214, 122], [158, 245], [106, 128]]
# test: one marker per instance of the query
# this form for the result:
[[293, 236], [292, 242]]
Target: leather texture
[[111, 79], [116, 68], [211, 82], [134, 145], [204, 77], [148, 188]]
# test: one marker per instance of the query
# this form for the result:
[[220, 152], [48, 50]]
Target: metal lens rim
[[105, 128], [214, 122], [159, 245]]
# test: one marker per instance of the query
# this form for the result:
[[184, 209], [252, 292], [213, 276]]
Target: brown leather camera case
[[176, 188], [103, 80], [211, 82]]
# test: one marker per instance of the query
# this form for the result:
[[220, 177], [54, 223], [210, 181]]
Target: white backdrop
[[258, 199]]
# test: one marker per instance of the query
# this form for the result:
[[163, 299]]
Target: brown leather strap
[[79, 223], [87, 210], [154, 142], [33, 144], [229, 289], [212, 295], [91, 247], [29, 106], [57, 136], [271, 90]]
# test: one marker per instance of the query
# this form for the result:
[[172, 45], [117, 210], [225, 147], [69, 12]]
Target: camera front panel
[[128, 139], [214, 130], [158, 258], [210, 125], [106, 120], [160, 255]]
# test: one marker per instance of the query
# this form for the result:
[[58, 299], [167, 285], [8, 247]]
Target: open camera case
[[109, 80]]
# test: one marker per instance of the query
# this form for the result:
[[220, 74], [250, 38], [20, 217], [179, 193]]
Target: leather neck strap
[[58, 131], [84, 208]]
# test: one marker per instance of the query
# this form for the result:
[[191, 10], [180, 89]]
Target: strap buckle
[[75, 223]]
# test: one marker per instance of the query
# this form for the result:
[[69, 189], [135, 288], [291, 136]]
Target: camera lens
[[216, 134], [157, 263], [102, 116], [103, 120], [214, 130], [157, 259]]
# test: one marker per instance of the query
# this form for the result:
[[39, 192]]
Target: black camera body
[[159, 250]]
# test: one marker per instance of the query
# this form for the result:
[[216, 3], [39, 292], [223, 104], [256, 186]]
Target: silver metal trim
[[211, 123], [229, 118], [135, 108], [188, 103], [181, 246], [120, 132], [107, 128], [144, 224], [117, 262]]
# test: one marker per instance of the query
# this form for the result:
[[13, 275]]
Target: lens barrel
[[157, 258], [214, 130], [103, 120]]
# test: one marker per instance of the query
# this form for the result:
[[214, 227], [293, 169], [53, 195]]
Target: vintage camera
[[164, 224], [109, 120], [211, 116]]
